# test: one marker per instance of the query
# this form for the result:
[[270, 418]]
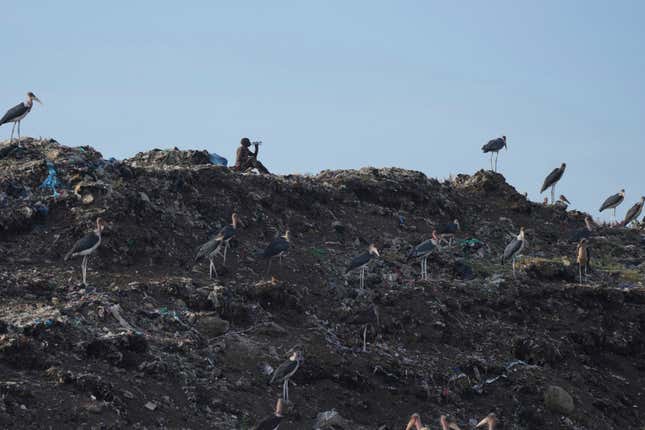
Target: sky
[[420, 84]]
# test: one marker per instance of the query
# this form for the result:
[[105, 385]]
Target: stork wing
[[511, 249], [611, 201], [358, 261], [422, 249], [208, 247], [553, 177], [14, 112], [632, 213], [225, 233], [283, 370], [86, 242], [493, 145], [277, 245]]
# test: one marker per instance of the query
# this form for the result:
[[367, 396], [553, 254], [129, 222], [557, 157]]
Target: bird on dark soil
[[86, 246]]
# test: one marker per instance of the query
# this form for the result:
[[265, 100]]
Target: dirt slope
[[188, 352]]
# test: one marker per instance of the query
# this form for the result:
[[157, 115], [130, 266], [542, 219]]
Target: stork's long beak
[[38, 100]]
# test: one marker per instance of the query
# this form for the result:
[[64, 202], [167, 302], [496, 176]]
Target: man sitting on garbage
[[246, 160]]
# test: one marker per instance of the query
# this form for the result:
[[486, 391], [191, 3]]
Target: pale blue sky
[[338, 84]]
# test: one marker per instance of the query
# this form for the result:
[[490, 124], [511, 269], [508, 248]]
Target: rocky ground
[[154, 343]]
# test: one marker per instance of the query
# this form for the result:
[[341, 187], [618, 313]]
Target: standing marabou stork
[[277, 248], [634, 212], [361, 261], [584, 232], [272, 422], [583, 257], [86, 246], [490, 421], [213, 247], [613, 202], [285, 371], [448, 231], [514, 248], [553, 179], [562, 202], [423, 250], [494, 146], [18, 112]]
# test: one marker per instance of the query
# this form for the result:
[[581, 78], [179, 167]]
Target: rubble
[[153, 342]]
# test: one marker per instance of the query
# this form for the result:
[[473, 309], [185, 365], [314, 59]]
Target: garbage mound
[[175, 157], [153, 342]]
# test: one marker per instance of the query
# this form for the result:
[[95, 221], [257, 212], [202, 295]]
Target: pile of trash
[[153, 342], [175, 157]]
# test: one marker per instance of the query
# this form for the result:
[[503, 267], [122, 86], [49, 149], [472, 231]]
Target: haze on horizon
[[415, 84]]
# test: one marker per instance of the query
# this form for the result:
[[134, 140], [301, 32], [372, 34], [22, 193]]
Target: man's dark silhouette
[[247, 160]]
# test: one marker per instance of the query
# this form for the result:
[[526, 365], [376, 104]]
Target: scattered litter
[[330, 419], [52, 179], [151, 406]]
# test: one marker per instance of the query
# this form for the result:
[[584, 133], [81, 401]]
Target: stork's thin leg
[[18, 133], [365, 339], [12, 130], [496, 157], [513, 267], [580, 272], [225, 249], [84, 269], [423, 269], [426, 268], [491, 161], [212, 269], [285, 390]]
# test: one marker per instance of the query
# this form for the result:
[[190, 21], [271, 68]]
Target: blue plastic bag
[[218, 160], [52, 179]]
